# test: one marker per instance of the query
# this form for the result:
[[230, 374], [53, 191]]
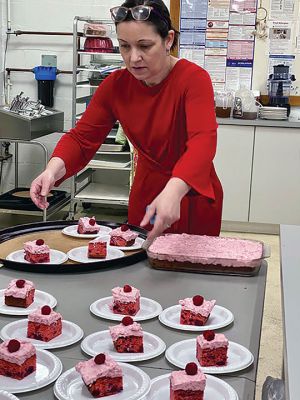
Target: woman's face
[[144, 51]]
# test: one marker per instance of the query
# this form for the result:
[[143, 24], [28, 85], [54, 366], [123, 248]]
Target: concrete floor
[[270, 359]]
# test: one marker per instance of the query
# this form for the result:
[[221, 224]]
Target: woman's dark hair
[[160, 19]]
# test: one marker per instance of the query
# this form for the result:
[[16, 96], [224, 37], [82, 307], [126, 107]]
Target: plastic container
[[223, 104], [98, 45]]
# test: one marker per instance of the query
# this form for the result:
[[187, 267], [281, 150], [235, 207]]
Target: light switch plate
[[49, 60]]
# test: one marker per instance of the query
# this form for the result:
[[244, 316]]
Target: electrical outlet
[[49, 60]]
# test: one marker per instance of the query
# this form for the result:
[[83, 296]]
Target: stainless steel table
[[290, 278], [244, 296]]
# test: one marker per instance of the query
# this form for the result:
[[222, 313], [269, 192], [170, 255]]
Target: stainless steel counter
[[244, 296], [259, 122]]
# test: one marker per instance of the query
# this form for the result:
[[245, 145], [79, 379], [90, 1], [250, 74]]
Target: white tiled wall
[[25, 51]]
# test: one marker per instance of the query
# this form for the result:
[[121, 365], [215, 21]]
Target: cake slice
[[88, 226], [195, 310], [122, 236], [188, 384], [126, 300], [127, 337], [44, 324], [19, 293], [102, 375], [211, 349], [36, 251], [17, 358], [97, 248]]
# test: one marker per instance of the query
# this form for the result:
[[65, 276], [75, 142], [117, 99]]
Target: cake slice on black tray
[[122, 236], [88, 226], [36, 251], [127, 337], [44, 324], [102, 375], [17, 358], [19, 293], [126, 300], [97, 248]]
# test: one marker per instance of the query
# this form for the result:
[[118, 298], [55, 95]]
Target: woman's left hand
[[165, 208]]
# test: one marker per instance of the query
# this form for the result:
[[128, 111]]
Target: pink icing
[[123, 331], [87, 227], [206, 250], [97, 240], [205, 308], [33, 248], [181, 381], [127, 235], [25, 351], [125, 297], [20, 293], [37, 317], [220, 340], [90, 371]]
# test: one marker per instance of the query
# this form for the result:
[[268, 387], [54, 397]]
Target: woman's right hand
[[41, 186]]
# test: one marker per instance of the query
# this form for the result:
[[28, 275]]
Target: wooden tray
[[12, 239]]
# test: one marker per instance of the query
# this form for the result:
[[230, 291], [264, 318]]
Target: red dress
[[173, 127]]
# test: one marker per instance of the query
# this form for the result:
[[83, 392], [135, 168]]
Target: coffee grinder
[[279, 87]]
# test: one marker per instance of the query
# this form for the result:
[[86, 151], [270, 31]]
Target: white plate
[[40, 299], [183, 352], [219, 317], [136, 384], [72, 231], [136, 246], [48, 369], [80, 254], [215, 389], [149, 309], [101, 342], [56, 257], [71, 333], [7, 396]]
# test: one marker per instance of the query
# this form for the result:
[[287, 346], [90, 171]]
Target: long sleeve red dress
[[173, 127]]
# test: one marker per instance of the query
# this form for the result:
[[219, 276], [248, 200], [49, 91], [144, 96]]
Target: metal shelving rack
[[111, 186]]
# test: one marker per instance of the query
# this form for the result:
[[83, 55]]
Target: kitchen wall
[[25, 51]]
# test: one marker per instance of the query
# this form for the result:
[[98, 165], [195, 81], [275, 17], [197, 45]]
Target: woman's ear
[[169, 40]]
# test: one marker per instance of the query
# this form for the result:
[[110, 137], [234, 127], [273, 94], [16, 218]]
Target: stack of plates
[[273, 113]]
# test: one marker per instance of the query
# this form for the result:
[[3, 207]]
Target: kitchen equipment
[[223, 103], [245, 105], [98, 45], [279, 87]]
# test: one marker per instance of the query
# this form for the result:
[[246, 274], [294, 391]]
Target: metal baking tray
[[9, 234]]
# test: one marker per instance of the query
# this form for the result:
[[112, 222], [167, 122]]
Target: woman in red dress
[[166, 108]]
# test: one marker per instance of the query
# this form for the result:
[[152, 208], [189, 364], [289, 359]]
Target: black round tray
[[10, 233]]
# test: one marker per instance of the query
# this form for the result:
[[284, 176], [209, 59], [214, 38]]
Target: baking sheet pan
[[12, 239]]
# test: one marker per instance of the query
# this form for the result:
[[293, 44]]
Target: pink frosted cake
[[17, 358], [44, 324], [19, 293], [195, 310], [211, 349], [97, 248], [126, 300], [88, 226], [205, 253], [122, 236], [102, 375], [37, 251], [127, 336], [188, 384]]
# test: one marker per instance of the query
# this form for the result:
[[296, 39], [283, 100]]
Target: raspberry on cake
[[211, 349], [188, 384], [122, 236], [127, 336], [97, 248], [195, 310], [126, 300], [19, 293], [44, 324], [102, 375], [17, 358], [36, 251], [88, 226]]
